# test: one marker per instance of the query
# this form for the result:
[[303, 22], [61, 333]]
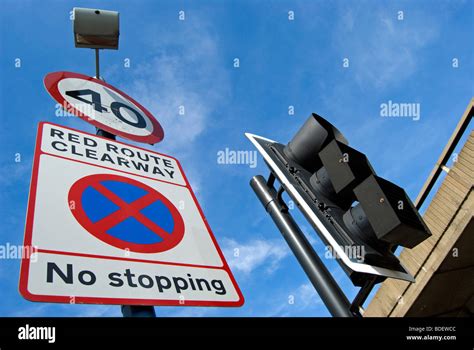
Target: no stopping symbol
[[126, 213]]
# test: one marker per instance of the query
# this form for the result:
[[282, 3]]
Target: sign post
[[112, 112], [118, 224]]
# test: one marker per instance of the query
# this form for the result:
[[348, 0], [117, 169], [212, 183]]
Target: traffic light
[[360, 216]]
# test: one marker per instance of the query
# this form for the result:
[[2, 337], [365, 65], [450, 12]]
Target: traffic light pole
[[327, 288]]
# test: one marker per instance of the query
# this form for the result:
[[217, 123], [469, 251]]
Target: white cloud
[[36, 310], [186, 312], [383, 51], [95, 311], [251, 255], [14, 172], [301, 300], [184, 70], [305, 296], [310, 235], [69, 310]]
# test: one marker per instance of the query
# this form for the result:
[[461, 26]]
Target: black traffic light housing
[[344, 168], [361, 216], [313, 136], [392, 215]]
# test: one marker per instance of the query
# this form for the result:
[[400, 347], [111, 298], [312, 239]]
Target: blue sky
[[283, 63]]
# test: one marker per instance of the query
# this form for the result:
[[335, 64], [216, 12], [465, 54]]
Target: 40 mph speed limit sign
[[104, 106]]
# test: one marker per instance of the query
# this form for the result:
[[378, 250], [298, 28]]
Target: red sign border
[[51, 81], [25, 262]]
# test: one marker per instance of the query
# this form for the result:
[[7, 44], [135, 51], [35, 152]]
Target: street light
[[96, 29]]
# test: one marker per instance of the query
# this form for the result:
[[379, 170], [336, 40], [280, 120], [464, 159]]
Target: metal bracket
[[362, 295], [280, 197], [271, 180]]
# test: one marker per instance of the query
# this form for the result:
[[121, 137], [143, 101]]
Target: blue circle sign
[[126, 213]]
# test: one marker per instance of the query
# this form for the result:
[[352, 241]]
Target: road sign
[[104, 106], [112, 223]]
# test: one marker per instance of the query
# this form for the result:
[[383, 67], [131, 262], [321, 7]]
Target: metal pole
[[127, 310], [138, 311], [97, 71], [327, 288]]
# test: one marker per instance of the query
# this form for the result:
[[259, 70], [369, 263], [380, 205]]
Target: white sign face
[[104, 106], [115, 224], [75, 91]]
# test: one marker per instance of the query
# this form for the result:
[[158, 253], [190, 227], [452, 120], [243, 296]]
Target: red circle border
[[51, 82]]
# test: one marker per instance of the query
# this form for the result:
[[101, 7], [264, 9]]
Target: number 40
[[115, 106]]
